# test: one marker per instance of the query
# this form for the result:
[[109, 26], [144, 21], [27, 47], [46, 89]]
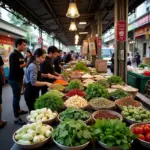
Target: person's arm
[[2, 74], [23, 65], [38, 83]]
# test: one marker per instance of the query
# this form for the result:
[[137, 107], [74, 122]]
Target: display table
[[137, 80], [51, 146]]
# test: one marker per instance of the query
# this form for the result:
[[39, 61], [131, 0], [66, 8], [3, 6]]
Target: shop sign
[[40, 40], [141, 31], [144, 20], [121, 30], [6, 40], [99, 42]]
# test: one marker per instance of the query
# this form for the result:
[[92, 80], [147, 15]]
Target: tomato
[[147, 137], [141, 136], [137, 130], [147, 125], [146, 129]]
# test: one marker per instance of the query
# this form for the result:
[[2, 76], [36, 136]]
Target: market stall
[[87, 110]]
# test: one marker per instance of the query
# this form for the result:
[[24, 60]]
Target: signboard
[[99, 43], [144, 20], [92, 46], [121, 30], [40, 40], [85, 47], [141, 31], [101, 65], [6, 40]]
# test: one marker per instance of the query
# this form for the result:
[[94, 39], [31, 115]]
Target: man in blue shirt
[[2, 81]]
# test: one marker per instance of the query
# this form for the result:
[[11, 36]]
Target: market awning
[[50, 14]]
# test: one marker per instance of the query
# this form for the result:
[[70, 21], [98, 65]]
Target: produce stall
[[137, 80], [92, 111]]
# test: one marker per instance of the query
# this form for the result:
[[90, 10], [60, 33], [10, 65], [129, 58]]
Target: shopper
[[64, 57], [69, 57], [58, 62], [27, 60], [129, 59], [112, 63], [16, 73], [137, 59], [33, 78], [2, 81], [48, 67]]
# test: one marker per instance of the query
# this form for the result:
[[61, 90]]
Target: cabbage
[[27, 137], [24, 142], [48, 133], [36, 139], [42, 137]]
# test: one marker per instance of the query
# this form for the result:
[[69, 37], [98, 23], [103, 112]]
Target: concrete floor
[[6, 133]]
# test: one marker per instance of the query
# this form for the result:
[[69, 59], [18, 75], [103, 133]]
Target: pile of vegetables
[[95, 90], [101, 103], [58, 87], [80, 66], [113, 133], [43, 114], [66, 74], [33, 133], [136, 114], [105, 115], [104, 83], [49, 100], [76, 75], [76, 101], [75, 92], [144, 65], [57, 92], [61, 82], [75, 84], [74, 114], [87, 76], [72, 133], [143, 131], [118, 94], [115, 80]]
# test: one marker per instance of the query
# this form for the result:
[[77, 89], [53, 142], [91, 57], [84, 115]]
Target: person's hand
[[59, 77], [50, 76], [49, 85]]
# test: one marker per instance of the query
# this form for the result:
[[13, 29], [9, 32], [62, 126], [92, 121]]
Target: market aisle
[[6, 133]]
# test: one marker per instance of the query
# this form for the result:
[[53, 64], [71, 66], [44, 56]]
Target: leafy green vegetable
[[75, 114], [95, 90], [75, 84], [81, 67], [104, 83], [57, 92], [119, 94], [113, 133], [144, 65], [72, 133], [49, 100], [115, 80]]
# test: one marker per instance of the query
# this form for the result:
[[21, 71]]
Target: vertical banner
[[85, 47], [92, 46], [121, 30], [99, 43]]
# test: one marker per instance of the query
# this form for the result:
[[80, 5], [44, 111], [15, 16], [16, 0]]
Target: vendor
[[33, 77], [48, 67], [58, 62]]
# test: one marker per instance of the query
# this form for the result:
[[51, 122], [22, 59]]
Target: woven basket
[[133, 93]]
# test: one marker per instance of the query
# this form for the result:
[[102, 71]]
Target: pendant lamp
[[72, 10], [76, 36], [73, 26]]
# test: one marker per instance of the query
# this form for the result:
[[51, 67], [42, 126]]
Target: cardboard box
[[146, 60], [101, 65]]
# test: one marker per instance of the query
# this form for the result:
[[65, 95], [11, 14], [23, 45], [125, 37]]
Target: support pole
[[41, 38], [99, 32], [121, 14]]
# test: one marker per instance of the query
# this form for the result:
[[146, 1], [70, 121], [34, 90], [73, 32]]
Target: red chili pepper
[[105, 115], [75, 92]]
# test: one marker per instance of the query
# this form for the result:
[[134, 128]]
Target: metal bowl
[[144, 143], [71, 148], [110, 111], [48, 122], [31, 146], [111, 148]]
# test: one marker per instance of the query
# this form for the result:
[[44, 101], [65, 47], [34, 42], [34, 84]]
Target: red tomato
[[137, 130], [147, 137], [146, 129], [141, 136], [147, 125]]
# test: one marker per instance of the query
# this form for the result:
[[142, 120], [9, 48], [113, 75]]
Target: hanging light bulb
[[76, 36], [73, 26], [72, 10]]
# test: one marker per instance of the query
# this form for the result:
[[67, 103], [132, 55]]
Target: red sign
[[99, 42], [6, 40], [40, 39], [121, 31], [143, 20]]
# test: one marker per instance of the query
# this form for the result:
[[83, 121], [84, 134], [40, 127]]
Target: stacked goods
[[76, 102], [80, 66], [74, 114], [33, 133], [101, 103], [136, 114], [87, 82], [75, 84], [95, 90], [76, 75], [104, 83], [99, 77], [58, 87], [87, 76], [61, 82], [49, 100], [115, 80], [57, 92], [43, 114], [75, 92]]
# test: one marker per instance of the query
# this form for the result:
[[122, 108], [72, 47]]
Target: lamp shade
[[73, 26], [72, 10], [76, 36]]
